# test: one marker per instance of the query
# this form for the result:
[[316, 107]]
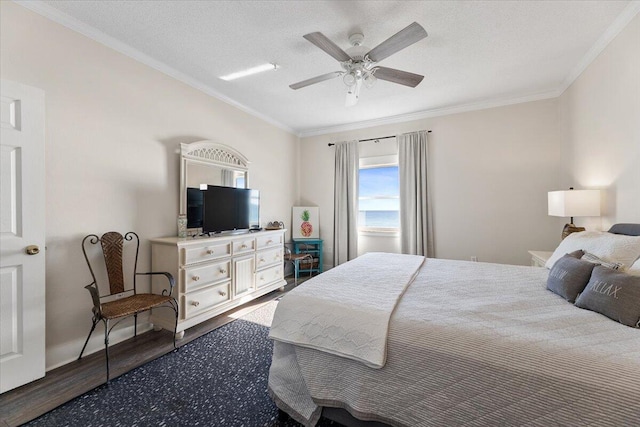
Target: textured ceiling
[[476, 52]]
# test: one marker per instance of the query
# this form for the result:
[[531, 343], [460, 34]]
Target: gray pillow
[[569, 276], [577, 254], [614, 294]]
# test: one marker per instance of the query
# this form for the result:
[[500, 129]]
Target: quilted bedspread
[[476, 345], [329, 312]]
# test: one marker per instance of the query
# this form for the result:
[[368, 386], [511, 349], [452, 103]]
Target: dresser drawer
[[270, 240], [205, 299], [268, 276], [205, 252], [268, 258], [197, 277], [244, 245]]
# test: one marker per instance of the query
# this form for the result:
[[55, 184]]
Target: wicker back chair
[[295, 259], [112, 244]]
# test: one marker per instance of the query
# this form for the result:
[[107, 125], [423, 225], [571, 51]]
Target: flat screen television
[[228, 208]]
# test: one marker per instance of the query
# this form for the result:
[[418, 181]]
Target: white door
[[22, 219]]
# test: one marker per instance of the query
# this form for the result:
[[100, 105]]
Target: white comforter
[[346, 310], [476, 345]]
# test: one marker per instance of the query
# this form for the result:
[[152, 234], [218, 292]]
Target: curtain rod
[[331, 144]]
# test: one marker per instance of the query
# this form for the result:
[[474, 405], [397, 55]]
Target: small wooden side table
[[312, 247], [539, 258]]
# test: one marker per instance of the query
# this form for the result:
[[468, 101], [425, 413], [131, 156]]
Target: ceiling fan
[[359, 62]]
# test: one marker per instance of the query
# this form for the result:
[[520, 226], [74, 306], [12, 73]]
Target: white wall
[[601, 129], [112, 131], [490, 171]]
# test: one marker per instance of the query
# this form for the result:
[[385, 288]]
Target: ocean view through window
[[379, 198]]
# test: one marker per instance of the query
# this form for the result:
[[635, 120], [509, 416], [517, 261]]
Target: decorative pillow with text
[[614, 294], [569, 276]]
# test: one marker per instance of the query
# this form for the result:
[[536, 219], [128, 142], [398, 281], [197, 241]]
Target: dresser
[[216, 274]]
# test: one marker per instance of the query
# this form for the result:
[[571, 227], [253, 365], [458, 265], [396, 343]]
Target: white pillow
[[607, 246]]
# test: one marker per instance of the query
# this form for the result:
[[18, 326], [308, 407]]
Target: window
[[379, 194]]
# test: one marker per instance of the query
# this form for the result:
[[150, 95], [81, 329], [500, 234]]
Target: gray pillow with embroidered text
[[614, 294], [569, 276]]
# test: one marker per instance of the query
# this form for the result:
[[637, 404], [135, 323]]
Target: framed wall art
[[305, 223]]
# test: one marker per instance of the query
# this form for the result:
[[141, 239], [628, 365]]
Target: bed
[[466, 344]]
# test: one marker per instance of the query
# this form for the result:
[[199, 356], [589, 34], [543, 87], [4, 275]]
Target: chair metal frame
[[116, 286], [295, 260]]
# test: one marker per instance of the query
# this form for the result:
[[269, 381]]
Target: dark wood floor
[[76, 378]]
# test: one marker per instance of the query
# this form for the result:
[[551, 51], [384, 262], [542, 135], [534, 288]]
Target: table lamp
[[573, 203]]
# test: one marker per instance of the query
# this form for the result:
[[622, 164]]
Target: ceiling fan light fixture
[[349, 79], [250, 71], [353, 94], [369, 80]]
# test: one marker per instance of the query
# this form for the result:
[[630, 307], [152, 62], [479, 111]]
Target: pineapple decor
[[305, 228], [305, 223]]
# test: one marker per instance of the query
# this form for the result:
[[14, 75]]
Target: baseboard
[[69, 351]]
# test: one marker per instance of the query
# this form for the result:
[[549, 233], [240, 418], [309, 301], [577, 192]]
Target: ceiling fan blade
[[406, 37], [328, 46], [398, 76], [316, 79]]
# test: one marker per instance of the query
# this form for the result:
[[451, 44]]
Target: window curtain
[[228, 178], [345, 199], [416, 228]]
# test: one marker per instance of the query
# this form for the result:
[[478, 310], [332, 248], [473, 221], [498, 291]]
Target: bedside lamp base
[[570, 228]]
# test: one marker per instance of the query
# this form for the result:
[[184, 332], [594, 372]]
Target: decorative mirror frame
[[209, 153]]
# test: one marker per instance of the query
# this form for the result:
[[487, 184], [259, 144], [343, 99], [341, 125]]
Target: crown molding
[[607, 37], [72, 23], [429, 113]]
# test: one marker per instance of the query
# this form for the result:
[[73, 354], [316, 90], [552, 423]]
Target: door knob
[[32, 250]]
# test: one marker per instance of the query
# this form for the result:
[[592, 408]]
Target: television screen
[[228, 208]]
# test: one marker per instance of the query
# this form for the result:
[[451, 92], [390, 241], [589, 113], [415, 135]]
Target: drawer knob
[[261, 260], [262, 278], [223, 271], [223, 293], [196, 278], [269, 242], [195, 303], [243, 246], [209, 251]]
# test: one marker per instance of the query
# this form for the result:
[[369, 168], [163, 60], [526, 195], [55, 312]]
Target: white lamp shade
[[574, 203]]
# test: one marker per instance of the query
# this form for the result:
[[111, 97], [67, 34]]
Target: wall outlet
[[474, 258]]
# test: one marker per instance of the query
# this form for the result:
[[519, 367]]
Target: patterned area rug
[[219, 379]]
